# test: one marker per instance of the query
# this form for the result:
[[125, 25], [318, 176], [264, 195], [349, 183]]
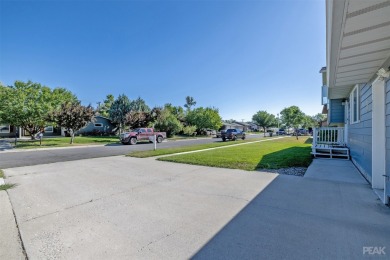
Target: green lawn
[[64, 141], [144, 154], [275, 154], [1, 174]]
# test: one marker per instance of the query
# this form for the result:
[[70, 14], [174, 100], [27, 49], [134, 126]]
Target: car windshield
[[136, 130], [230, 130]]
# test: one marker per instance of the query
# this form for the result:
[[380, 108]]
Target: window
[[98, 125], [142, 130], [149, 130], [354, 105], [4, 129], [49, 129]]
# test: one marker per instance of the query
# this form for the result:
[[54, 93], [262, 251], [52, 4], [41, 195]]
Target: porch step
[[330, 151]]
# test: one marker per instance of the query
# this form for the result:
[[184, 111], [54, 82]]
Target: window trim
[[49, 131], [9, 129], [352, 104]]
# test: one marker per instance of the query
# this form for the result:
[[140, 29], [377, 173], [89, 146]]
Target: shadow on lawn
[[290, 157]]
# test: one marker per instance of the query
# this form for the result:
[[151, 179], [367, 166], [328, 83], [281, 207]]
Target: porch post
[[378, 134]]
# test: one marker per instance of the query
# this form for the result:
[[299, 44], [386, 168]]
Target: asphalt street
[[36, 157]]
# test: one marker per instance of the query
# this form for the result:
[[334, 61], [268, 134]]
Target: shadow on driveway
[[302, 218]]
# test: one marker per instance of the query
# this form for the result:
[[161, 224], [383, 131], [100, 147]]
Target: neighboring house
[[9, 131], [356, 89], [253, 127], [99, 125], [226, 126], [245, 126]]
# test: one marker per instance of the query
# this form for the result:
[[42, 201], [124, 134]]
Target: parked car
[[302, 131], [281, 132], [232, 134], [141, 134]]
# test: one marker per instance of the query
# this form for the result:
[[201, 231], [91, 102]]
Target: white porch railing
[[328, 136]]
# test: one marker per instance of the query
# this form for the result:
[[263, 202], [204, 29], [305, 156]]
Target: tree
[[73, 117], [204, 118], [167, 122], [139, 105], [118, 111], [137, 119], [292, 117], [308, 121], [190, 102], [178, 111], [27, 104], [319, 119], [105, 107], [264, 119]]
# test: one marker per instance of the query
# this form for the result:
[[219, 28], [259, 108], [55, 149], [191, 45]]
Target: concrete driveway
[[129, 208], [126, 208]]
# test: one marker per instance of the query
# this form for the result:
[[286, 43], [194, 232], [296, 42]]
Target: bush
[[189, 130]]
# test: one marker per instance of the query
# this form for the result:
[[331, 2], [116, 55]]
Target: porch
[[329, 142]]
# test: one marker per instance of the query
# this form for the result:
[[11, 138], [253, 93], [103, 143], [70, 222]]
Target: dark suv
[[232, 134]]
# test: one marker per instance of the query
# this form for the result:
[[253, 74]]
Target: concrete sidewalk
[[5, 145], [10, 244], [331, 213]]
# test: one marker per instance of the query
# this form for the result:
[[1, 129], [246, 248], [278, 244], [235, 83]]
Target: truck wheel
[[224, 139], [243, 137], [234, 138], [133, 140], [159, 139]]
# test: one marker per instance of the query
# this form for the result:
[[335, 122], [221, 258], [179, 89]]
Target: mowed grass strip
[[275, 154], [65, 141], [1, 173], [165, 151]]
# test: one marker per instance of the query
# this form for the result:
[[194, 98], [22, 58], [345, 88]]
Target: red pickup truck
[[141, 134]]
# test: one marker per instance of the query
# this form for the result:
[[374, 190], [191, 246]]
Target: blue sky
[[238, 56]]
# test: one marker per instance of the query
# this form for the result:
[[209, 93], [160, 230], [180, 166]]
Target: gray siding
[[387, 114], [336, 111], [10, 134], [360, 134], [90, 127]]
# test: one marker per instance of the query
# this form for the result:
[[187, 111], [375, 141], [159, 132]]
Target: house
[[244, 126], [9, 131], [100, 125], [356, 87], [226, 126]]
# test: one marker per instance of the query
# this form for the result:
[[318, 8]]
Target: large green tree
[[319, 119], [28, 104], [139, 105], [118, 111], [105, 106], [190, 102], [292, 117], [204, 118], [264, 119], [73, 117], [178, 111], [167, 122]]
